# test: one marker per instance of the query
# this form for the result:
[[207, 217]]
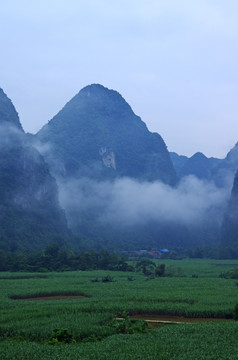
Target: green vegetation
[[54, 259], [230, 274], [82, 328], [130, 326], [146, 266]]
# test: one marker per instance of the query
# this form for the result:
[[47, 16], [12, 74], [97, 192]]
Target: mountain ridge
[[100, 118]]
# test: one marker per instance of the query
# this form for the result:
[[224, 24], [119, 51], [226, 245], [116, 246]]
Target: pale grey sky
[[174, 62]]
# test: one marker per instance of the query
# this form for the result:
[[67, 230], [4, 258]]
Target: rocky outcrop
[[108, 157]]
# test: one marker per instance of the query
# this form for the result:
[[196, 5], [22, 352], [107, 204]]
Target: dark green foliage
[[146, 266], [184, 342], [231, 274], [130, 326], [130, 268], [236, 312], [104, 279], [107, 278], [61, 336], [160, 270], [54, 259], [230, 251]]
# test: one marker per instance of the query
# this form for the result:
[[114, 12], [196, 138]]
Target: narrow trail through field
[[158, 320]]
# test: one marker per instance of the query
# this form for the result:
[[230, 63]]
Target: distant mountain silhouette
[[198, 165], [220, 171]]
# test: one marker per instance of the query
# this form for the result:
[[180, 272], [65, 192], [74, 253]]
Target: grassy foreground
[[194, 289]]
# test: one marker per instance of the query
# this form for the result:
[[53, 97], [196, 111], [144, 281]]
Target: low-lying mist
[[124, 208], [127, 202]]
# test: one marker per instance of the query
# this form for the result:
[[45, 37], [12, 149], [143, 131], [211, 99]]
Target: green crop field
[[191, 288]]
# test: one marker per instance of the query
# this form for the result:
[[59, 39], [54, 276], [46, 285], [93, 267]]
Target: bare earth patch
[[54, 297]]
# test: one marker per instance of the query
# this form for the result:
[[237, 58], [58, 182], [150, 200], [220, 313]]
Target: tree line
[[54, 259]]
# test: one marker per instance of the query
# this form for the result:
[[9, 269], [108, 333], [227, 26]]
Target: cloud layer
[[127, 202]]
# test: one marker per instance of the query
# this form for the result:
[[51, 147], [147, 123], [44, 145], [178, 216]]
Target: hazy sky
[[174, 61]]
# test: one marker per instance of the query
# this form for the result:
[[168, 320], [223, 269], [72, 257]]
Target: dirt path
[[54, 297], [170, 319]]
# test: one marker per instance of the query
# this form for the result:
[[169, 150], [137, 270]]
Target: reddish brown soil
[[54, 297]]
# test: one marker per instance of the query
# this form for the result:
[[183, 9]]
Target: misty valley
[[109, 241], [95, 177]]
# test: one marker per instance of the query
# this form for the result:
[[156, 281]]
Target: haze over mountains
[[30, 215], [220, 171], [97, 165]]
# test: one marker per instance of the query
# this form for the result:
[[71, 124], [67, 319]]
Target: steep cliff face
[[30, 216], [223, 174], [230, 222], [97, 134], [8, 114]]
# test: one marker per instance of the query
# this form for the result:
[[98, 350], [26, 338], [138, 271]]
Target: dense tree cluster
[[208, 252], [54, 259]]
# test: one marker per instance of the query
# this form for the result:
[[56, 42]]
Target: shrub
[[130, 326], [146, 266], [159, 270], [236, 312], [231, 274], [130, 268], [107, 278], [61, 336], [131, 278]]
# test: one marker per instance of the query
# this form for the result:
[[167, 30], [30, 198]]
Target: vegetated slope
[[97, 134], [223, 174], [230, 222], [30, 215], [178, 161], [198, 165], [98, 138]]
